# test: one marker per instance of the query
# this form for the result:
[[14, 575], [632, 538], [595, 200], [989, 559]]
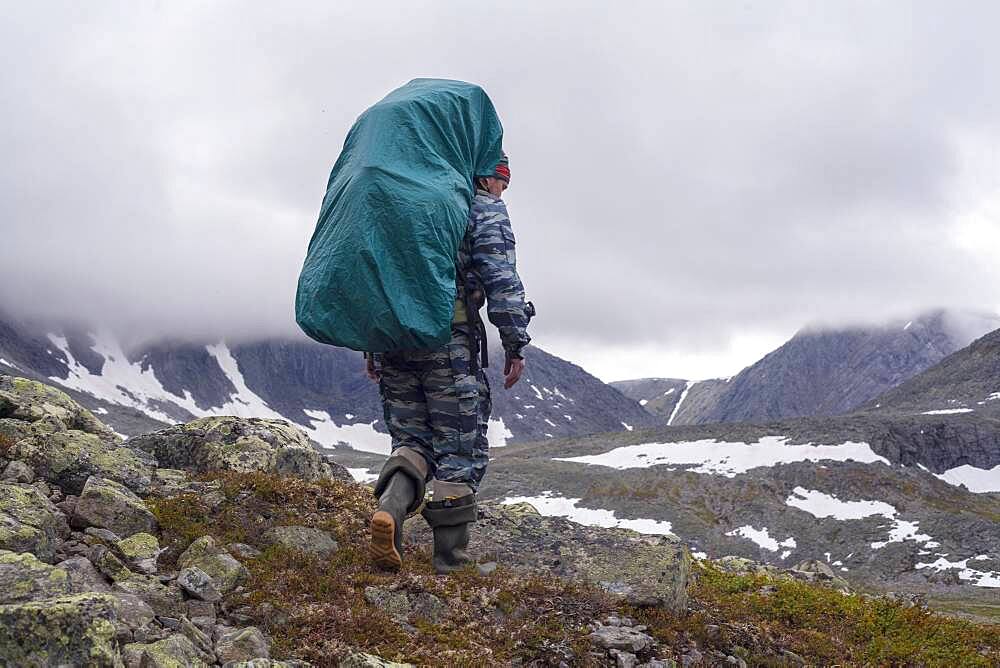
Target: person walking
[[437, 403]]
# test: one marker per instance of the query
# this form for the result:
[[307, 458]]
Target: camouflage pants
[[436, 405]]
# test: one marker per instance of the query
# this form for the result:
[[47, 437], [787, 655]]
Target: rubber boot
[[451, 520], [450, 545], [400, 490], [387, 522]]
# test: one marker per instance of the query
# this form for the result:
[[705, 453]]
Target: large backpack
[[379, 274]]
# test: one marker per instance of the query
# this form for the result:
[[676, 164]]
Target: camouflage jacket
[[488, 261]]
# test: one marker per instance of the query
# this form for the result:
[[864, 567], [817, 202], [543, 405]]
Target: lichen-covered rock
[[24, 578], [69, 458], [177, 651], [235, 444], [198, 584], [396, 604], [31, 401], [205, 553], [133, 612], [83, 576], [139, 551], [303, 539], [621, 638], [243, 645], [107, 504], [166, 601], [75, 630], [645, 570], [362, 660], [29, 522], [17, 471]]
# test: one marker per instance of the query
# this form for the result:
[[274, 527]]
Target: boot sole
[[383, 544]]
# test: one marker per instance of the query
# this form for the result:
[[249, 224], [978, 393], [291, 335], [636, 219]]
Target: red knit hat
[[502, 170]]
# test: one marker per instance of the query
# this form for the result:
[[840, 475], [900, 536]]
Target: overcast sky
[[691, 182]]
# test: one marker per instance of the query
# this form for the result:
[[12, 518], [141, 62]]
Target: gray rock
[[173, 652], [83, 576], [396, 604], [33, 402], [621, 638], [111, 505], [199, 638], [206, 554], [74, 630], [303, 539], [106, 537], [165, 601], [235, 444], [132, 610], [24, 578], [243, 645], [69, 458], [18, 472], [140, 552], [362, 660], [243, 551], [429, 607], [198, 584], [487, 569], [29, 522], [645, 570], [623, 659]]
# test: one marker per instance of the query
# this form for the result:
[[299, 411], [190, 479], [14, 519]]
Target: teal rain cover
[[379, 274]]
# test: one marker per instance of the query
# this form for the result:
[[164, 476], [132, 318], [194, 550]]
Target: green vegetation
[[317, 610], [759, 613]]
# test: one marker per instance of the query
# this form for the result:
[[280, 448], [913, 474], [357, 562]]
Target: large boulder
[[645, 570], [69, 458], [74, 630], [29, 522], [235, 444], [206, 554], [24, 578], [242, 645], [33, 402], [107, 504]]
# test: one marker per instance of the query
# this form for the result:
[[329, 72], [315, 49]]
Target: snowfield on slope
[[975, 480], [710, 456], [559, 506]]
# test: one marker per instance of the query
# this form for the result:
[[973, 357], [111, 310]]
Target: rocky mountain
[[819, 372], [902, 493], [319, 388]]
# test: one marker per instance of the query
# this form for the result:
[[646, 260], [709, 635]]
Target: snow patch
[[538, 393], [710, 456], [361, 436], [497, 433], [628, 427], [977, 578], [975, 479], [362, 475], [642, 402], [902, 530], [763, 539], [10, 364], [558, 506], [680, 400], [821, 505], [947, 411]]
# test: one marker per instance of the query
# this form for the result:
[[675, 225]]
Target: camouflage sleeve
[[494, 262]]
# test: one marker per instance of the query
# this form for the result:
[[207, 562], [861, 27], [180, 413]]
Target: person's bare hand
[[512, 371], [370, 370]]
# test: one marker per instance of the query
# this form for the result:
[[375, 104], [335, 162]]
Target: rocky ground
[[228, 541]]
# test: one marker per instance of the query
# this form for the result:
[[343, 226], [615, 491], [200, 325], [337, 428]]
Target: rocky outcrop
[[47, 409], [107, 504], [235, 444], [207, 555], [645, 570], [29, 522], [74, 630]]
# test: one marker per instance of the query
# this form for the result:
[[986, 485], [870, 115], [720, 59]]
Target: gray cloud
[[681, 175]]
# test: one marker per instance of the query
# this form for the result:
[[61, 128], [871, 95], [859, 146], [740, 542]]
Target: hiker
[[437, 402]]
